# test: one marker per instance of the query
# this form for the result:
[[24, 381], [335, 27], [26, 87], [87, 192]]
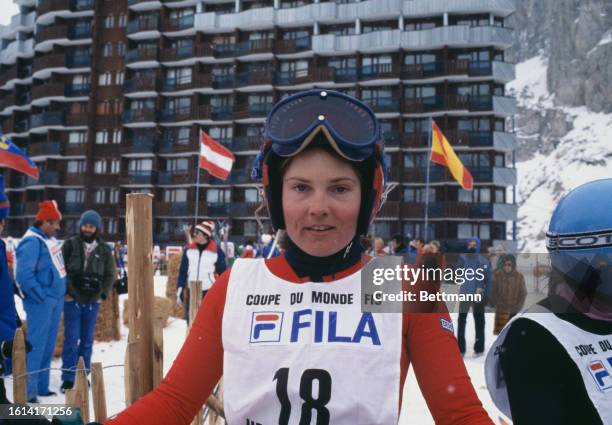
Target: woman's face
[[321, 200]]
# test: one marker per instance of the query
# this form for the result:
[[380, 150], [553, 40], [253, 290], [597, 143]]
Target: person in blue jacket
[[41, 274], [8, 316], [474, 285]]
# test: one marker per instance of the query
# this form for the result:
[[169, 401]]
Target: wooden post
[[195, 298], [139, 227], [82, 390], [20, 379], [158, 353], [71, 396], [97, 392]]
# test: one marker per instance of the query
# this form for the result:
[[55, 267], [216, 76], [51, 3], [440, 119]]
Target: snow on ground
[[414, 409], [582, 155]]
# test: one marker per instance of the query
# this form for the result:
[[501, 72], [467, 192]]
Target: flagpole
[[197, 205], [427, 177]]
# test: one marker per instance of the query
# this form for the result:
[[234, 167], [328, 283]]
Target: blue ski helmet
[[579, 237]]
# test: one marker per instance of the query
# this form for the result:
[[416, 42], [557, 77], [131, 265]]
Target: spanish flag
[[442, 153]]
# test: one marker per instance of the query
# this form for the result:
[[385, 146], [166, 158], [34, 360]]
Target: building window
[[76, 167], [75, 195], [177, 165], [100, 166], [105, 79], [78, 108], [252, 195], [109, 21], [121, 48], [119, 77], [379, 26], [122, 21], [114, 166], [111, 226], [102, 137], [175, 195], [140, 165], [77, 137], [117, 136], [221, 134], [250, 228], [113, 196], [183, 135], [107, 50], [218, 196], [100, 196], [180, 75]]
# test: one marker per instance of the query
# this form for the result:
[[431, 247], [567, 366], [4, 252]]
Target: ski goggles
[[350, 126]]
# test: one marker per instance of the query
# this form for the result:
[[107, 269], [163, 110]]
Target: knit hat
[[91, 217], [48, 211], [206, 227], [4, 202]]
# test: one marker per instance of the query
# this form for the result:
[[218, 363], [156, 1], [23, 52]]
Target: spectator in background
[[414, 249], [202, 260], [41, 275], [91, 272], [431, 258], [399, 247], [268, 242], [8, 316], [474, 261], [508, 293], [380, 248]]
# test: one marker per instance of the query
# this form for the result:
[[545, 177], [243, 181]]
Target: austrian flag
[[214, 157]]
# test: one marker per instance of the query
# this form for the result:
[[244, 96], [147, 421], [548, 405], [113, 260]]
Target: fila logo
[[266, 326], [600, 373]]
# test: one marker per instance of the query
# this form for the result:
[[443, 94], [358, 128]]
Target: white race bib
[[305, 353], [55, 251]]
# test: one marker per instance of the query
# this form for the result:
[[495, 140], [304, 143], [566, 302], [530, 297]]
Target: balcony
[[77, 90], [176, 146], [78, 61], [500, 176], [138, 177], [435, 69], [47, 6], [253, 110], [72, 208], [390, 209], [142, 144], [221, 112], [140, 84], [244, 209], [176, 114], [176, 177], [384, 104], [246, 143], [218, 209], [44, 149], [77, 120], [146, 24], [173, 209], [178, 24], [47, 119], [178, 84], [293, 46], [226, 81], [101, 180], [186, 51], [240, 175], [141, 55], [73, 149], [138, 116], [254, 78], [434, 103], [45, 177], [48, 90], [73, 179], [380, 71]]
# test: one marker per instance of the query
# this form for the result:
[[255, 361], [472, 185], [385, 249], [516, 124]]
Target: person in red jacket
[[288, 334]]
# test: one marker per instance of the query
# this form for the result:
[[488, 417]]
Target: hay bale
[[162, 307], [174, 264], [59, 342], [107, 325]]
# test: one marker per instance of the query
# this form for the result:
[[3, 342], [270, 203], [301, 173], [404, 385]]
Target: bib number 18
[[311, 403]]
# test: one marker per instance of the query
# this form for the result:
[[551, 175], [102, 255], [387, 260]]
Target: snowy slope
[[582, 155]]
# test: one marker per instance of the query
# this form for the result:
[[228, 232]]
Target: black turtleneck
[[306, 265]]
